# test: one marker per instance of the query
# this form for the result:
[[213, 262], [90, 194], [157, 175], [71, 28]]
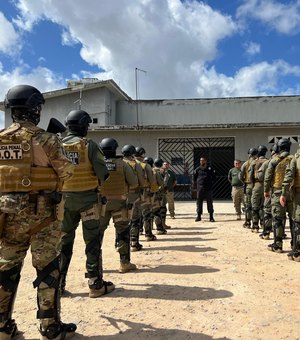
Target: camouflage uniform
[[273, 181], [257, 197], [248, 186], [292, 178], [159, 203], [82, 202], [115, 189], [30, 218], [135, 199], [147, 199]]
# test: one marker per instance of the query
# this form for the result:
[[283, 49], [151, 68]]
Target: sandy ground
[[200, 281]]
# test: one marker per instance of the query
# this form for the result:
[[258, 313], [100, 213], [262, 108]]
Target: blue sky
[[190, 49]]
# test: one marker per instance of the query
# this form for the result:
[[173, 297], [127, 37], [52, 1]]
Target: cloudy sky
[[188, 48]]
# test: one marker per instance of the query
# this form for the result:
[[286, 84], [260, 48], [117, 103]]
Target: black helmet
[[128, 150], [274, 148], [78, 121], [109, 146], [158, 162], [139, 151], [262, 150], [25, 103], [284, 144], [252, 152], [149, 160]]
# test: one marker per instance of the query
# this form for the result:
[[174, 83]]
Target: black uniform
[[204, 178]]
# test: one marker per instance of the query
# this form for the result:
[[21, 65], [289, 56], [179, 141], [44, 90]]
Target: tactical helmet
[[128, 150], [109, 146], [139, 151], [25, 103], [78, 121], [274, 148], [284, 144], [262, 150], [149, 160], [158, 162], [252, 152]]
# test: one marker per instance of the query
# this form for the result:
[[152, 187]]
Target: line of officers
[[272, 195], [49, 185]]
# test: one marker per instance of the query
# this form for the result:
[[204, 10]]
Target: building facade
[[181, 130]]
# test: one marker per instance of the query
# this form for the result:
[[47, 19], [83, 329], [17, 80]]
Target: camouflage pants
[[15, 242], [170, 202], [82, 207], [247, 203], [296, 226], [158, 209], [118, 211], [237, 194], [146, 207], [279, 216], [267, 215], [136, 221], [257, 203]]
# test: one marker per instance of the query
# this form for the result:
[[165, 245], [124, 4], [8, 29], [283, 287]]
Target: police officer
[[248, 186], [134, 196], [257, 197], [115, 189], [149, 198], [204, 177], [82, 201], [33, 166], [267, 226], [292, 178], [273, 181], [159, 209]]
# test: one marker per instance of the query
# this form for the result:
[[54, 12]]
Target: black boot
[[198, 218], [211, 218]]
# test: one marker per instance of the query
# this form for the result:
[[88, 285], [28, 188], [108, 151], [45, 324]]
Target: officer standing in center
[[33, 166], [204, 178], [82, 202]]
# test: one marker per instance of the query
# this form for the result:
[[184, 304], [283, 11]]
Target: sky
[[153, 49]]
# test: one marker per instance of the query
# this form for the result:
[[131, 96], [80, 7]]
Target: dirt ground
[[200, 281]]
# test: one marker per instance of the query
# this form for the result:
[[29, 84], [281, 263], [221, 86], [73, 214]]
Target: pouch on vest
[[60, 210]]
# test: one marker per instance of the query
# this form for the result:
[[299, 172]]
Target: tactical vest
[[154, 186], [257, 169], [84, 177], [297, 174], [115, 187], [146, 180], [280, 171], [247, 178], [18, 173], [132, 164]]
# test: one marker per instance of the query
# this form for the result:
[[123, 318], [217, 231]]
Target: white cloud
[[9, 39], [285, 18], [254, 80], [252, 48], [164, 37]]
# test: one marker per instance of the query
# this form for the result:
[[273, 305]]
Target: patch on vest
[[11, 151], [73, 156], [111, 166]]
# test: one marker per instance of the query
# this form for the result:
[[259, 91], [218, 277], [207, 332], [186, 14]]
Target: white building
[[179, 130]]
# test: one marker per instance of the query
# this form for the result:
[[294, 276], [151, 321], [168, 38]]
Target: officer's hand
[[266, 194], [282, 201]]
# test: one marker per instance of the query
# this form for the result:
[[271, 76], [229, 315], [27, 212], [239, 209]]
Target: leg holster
[[48, 280]]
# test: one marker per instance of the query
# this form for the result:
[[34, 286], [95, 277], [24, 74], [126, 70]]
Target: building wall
[[210, 111]]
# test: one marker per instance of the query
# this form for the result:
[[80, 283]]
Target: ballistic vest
[[132, 164], [18, 173], [154, 186], [280, 171], [146, 180], [297, 174], [115, 187], [247, 178], [84, 177], [258, 176]]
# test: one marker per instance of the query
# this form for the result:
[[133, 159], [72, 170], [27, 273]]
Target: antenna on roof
[[136, 93]]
